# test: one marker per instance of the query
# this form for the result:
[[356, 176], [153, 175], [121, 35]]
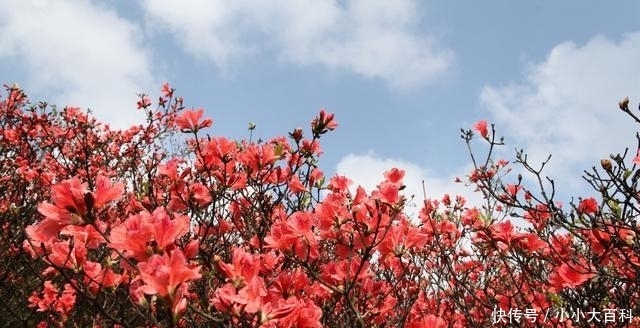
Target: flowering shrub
[[122, 228]]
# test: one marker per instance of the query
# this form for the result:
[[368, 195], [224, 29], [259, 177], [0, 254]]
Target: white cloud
[[567, 106], [77, 53], [374, 39], [367, 170]]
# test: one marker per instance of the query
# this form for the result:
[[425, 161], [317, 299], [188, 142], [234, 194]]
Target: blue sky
[[401, 76]]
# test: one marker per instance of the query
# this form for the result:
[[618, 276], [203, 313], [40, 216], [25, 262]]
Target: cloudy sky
[[402, 76]]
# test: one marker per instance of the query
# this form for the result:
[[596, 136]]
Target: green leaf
[[614, 206]]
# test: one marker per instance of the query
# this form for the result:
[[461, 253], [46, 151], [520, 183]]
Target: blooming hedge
[[165, 225]]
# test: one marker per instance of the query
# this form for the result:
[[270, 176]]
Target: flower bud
[[624, 104], [606, 165], [296, 135]]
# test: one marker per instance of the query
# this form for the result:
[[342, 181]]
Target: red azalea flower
[[244, 268], [167, 91], [296, 186], [481, 127], [144, 102], [588, 206], [146, 233], [162, 274], [394, 175], [189, 121], [567, 276], [106, 192]]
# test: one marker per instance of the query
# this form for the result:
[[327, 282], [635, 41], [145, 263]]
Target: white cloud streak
[[567, 106], [373, 39], [77, 53]]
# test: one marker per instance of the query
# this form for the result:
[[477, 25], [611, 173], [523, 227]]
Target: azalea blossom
[[189, 120], [296, 186], [52, 298], [68, 202], [145, 234], [481, 127], [323, 123], [167, 91], [568, 276], [244, 268], [74, 204], [394, 175], [588, 206], [144, 102], [106, 192], [340, 183], [162, 274]]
